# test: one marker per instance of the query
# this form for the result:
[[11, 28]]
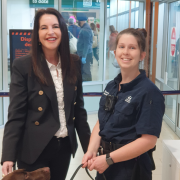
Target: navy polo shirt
[[139, 110]]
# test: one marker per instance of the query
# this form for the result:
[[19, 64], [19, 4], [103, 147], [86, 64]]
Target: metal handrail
[[176, 92]]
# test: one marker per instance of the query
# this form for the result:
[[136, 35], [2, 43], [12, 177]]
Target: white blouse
[[58, 83]]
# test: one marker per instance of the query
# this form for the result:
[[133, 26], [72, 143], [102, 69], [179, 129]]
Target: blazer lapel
[[50, 89], [51, 93]]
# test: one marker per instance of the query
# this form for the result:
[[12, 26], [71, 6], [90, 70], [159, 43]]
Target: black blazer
[[33, 116]]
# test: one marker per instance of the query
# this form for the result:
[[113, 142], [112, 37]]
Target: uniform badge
[[106, 93], [128, 99]]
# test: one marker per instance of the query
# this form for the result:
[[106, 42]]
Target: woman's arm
[[17, 112], [127, 152], [134, 149], [80, 113], [93, 145]]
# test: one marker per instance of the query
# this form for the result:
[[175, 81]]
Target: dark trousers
[[95, 53], [85, 69], [56, 156], [134, 169]]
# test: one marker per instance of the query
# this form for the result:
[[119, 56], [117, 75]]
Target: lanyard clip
[[100, 150]]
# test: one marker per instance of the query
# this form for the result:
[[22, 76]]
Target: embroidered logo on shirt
[[106, 93], [128, 99]]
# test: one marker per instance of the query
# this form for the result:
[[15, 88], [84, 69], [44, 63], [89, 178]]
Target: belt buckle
[[101, 150]]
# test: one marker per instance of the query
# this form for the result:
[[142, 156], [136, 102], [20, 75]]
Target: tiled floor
[[166, 133]]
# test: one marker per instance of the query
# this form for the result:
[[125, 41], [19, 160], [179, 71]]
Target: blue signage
[[41, 3], [90, 4]]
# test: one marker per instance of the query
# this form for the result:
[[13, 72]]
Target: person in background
[[84, 46], [73, 28], [65, 15], [73, 18], [112, 38], [95, 49], [130, 117], [46, 102], [112, 46]]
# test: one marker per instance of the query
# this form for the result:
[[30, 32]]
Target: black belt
[[107, 147]]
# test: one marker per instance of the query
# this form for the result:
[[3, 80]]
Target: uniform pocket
[[124, 115], [127, 110]]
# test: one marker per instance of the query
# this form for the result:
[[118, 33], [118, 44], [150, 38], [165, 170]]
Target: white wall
[[18, 17]]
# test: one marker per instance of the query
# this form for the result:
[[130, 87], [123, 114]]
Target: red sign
[[173, 42], [20, 43]]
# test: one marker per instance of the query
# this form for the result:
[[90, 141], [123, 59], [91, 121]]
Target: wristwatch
[[109, 159]]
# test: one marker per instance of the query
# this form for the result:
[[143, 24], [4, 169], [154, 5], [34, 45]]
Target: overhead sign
[[41, 3], [89, 4], [20, 43], [173, 42]]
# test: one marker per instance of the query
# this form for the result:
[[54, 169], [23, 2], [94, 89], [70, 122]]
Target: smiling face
[[49, 33], [128, 54]]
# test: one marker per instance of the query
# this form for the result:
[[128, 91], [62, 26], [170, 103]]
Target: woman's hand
[[99, 164], [89, 155], [7, 167]]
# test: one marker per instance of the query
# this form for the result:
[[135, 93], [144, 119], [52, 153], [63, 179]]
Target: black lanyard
[[86, 172]]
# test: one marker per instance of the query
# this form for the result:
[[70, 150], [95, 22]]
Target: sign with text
[[20, 43], [87, 3], [173, 42], [84, 4], [41, 3]]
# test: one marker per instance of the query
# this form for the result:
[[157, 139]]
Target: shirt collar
[[50, 65], [130, 85]]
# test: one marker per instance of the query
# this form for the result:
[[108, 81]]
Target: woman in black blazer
[[46, 102]]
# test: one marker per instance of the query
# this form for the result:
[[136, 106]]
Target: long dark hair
[[67, 64], [139, 34]]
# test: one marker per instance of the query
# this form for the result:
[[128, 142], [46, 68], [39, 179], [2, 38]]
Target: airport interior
[[160, 18]]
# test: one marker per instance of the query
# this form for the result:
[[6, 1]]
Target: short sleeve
[[151, 111]]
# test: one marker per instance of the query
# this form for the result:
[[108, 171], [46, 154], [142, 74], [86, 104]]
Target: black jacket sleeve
[[16, 113], [81, 124]]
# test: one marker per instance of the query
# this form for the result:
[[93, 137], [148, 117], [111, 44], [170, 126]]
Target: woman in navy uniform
[[46, 102], [130, 117]]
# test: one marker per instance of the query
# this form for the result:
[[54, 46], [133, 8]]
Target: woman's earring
[[39, 43]]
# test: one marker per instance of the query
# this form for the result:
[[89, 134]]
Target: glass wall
[[1, 72], [170, 110], [173, 45], [1, 112], [92, 11], [167, 60], [92, 70], [160, 63], [127, 14]]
